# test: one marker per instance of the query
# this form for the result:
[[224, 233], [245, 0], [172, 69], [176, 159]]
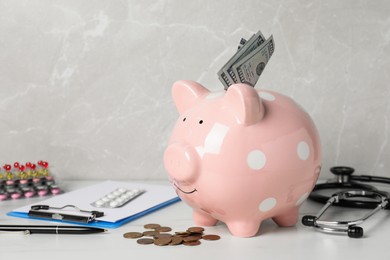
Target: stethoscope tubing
[[369, 178], [351, 185]]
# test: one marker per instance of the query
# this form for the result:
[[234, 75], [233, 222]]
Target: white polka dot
[[303, 150], [302, 199], [267, 96], [256, 160], [267, 204]]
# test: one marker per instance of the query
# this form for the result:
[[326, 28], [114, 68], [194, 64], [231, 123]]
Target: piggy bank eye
[[184, 119], [201, 122]]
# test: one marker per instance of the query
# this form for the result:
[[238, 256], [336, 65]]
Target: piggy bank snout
[[181, 162]]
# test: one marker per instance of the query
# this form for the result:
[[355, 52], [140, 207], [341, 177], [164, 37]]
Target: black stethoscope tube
[[346, 181], [368, 178]]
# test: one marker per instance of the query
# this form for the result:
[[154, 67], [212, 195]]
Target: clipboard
[[155, 197]]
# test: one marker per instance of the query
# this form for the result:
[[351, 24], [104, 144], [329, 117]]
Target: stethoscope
[[353, 194]]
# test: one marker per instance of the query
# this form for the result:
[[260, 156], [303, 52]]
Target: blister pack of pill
[[26, 180], [117, 198]]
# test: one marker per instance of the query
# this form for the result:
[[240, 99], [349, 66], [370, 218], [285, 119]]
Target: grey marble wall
[[86, 84]]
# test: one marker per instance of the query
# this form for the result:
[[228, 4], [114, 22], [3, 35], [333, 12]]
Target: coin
[[145, 241], [176, 240], [192, 243], [162, 235], [151, 226], [132, 235], [163, 229], [191, 238], [211, 237], [196, 235], [182, 233], [195, 229], [162, 241], [150, 233]]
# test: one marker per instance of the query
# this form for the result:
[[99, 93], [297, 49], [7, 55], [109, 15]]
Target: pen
[[51, 229]]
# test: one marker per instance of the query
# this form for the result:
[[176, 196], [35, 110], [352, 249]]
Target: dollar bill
[[227, 81], [226, 75], [224, 79], [242, 43], [250, 46], [248, 69]]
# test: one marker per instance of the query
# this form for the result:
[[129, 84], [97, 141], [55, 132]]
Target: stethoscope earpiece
[[309, 220], [355, 232]]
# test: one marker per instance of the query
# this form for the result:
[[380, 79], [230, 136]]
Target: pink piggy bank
[[241, 156]]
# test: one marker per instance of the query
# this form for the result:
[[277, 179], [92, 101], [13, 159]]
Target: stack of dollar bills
[[248, 62]]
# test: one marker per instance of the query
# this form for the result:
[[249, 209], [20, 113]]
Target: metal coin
[[162, 235], [145, 241], [132, 235], [162, 241], [150, 233], [191, 238], [196, 235], [192, 243], [176, 240], [195, 229], [163, 229], [183, 233], [151, 226], [211, 237]]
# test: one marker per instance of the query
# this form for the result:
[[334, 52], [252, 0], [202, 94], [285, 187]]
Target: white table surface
[[272, 242]]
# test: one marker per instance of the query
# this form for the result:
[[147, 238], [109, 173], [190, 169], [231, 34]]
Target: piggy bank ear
[[187, 94], [244, 103]]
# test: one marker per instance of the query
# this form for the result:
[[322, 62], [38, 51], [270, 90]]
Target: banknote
[[242, 43], [225, 74], [223, 77], [249, 68], [250, 46]]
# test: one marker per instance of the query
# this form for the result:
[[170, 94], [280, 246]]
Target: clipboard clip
[[42, 211]]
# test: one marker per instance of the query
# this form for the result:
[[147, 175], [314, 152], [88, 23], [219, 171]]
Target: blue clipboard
[[155, 198], [99, 223]]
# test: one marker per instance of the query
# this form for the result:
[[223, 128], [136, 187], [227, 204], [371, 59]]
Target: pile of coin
[[160, 236], [247, 64]]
